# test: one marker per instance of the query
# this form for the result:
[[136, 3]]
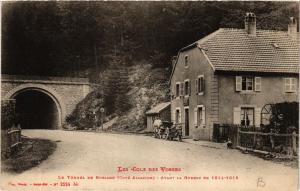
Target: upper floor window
[[290, 84], [247, 83], [187, 88], [200, 85], [186, 61], [177, 90]]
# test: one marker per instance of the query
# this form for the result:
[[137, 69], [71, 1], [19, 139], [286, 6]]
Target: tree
[[116, 88]]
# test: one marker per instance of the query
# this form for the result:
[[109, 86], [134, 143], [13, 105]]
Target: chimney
[[250, 23], [292, 27]]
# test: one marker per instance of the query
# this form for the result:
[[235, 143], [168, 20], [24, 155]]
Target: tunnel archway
[[38, 106], [36, 110]]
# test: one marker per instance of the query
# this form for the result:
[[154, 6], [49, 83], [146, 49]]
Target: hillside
[[148, 87], [124, 48]]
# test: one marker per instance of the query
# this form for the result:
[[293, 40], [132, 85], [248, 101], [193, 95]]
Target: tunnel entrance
[[36, 110]]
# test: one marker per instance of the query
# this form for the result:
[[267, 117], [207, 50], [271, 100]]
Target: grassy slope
[[32, 153]]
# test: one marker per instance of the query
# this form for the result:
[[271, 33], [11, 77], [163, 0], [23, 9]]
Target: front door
[[186, 123]]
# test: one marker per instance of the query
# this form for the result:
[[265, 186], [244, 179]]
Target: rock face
[[149, 86]]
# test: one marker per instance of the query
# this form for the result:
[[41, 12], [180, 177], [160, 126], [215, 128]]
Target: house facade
[[230, 75]]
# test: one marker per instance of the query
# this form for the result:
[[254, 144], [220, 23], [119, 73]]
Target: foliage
[[116, 88], [87, 113], [285, 117], [8, 115], [111, 95], [65, 38]]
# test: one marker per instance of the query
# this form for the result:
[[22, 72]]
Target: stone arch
[[46, 90]]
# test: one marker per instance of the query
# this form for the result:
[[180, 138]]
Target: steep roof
[[158, 108], [235, 50]]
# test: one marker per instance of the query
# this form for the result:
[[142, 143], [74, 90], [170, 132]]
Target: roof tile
[[235, 50]]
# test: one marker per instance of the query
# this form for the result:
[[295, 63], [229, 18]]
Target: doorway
[[186, 122]]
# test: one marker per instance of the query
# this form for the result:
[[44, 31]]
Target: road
[[82, 154]]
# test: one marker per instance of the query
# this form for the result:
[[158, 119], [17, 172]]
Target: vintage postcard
[[149, 95]]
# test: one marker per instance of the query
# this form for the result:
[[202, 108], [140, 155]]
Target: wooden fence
[[253, 138], [270, 142], [10, 141]]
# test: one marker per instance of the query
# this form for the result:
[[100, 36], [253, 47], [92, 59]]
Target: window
[[199, 116], [200, 85], [177, 89], [187, 87], [247, 83], [247, 116], [290, 84], [186, 60]]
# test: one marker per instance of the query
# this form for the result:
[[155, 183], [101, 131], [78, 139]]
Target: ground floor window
[[247, 116], [199, 117]]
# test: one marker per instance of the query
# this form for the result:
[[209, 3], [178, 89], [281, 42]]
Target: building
[[161, 111], [229, 75]]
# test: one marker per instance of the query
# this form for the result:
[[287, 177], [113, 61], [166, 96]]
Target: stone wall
[[65, 92]]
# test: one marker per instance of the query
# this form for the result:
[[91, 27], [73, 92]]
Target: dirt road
[[99, 155]]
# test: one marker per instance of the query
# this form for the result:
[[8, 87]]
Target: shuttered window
[[181, 89], [199, 116], [246, 83], [247, 116], [200, 85], [290, 84], [187, 87]]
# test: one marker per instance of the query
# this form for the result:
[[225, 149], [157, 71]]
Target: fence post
[[254, 140], [294, 143], [272, 141], [238, 138]]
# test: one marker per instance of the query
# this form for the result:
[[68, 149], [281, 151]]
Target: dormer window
[[186, 61]]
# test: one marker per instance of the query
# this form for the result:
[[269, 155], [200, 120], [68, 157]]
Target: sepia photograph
[[149, 95]]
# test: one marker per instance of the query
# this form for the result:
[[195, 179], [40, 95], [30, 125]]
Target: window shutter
[[238, 83], [293, 84], [197, 86], [203, 85], [190, 87], [203, 116], [257, 84], [257, 118], [237, 115], [195, 116], [179, 120], [286, 86]]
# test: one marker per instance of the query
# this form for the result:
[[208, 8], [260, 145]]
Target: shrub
[[8, 115], [285, 117]]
